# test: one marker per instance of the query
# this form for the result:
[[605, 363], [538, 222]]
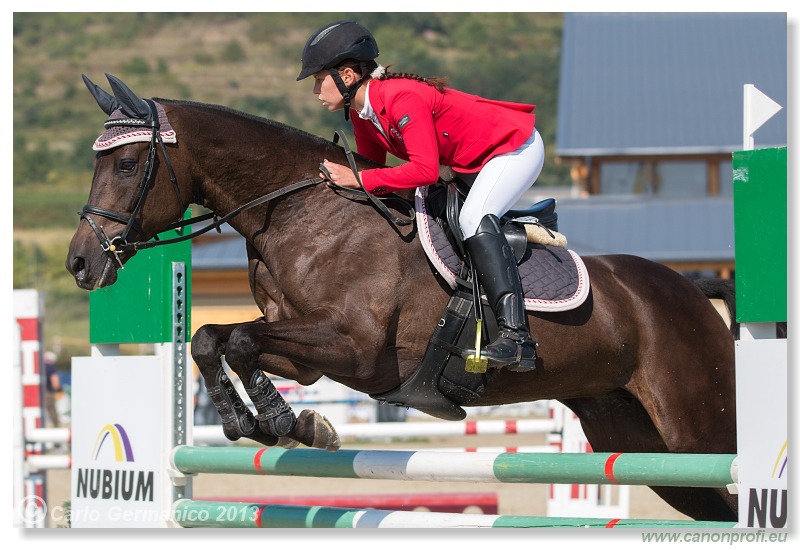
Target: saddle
[[554, 279]]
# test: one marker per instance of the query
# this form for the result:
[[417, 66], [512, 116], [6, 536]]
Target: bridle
[[119, 244], [115, 246]]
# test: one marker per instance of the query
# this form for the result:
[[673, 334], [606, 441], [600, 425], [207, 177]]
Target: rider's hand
[[342, 175]]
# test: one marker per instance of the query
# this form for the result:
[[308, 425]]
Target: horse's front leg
[[208, 346], [275, 416], [294, 348]]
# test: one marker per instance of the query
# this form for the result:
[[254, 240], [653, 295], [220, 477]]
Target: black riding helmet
[[334, 43]]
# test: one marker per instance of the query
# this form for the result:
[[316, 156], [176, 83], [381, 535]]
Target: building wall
[[221, 297]]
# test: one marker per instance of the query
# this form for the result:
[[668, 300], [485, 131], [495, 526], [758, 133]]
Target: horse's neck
[[250, 159], [250, 167]]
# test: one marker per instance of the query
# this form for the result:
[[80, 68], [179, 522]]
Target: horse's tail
[[725, 290]]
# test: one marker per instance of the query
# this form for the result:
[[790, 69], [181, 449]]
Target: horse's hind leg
[[208, 347], [619, 423]]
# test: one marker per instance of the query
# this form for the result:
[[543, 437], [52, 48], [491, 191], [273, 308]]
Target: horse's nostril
[[78, 265]]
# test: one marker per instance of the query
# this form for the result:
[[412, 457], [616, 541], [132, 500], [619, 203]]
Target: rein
[[219, 221], [363, 193]]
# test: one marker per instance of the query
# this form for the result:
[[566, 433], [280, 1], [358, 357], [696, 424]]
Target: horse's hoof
[[287, 442], [314, 430], [325, 436]]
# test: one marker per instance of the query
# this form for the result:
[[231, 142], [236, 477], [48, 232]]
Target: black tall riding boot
[[497, 271]]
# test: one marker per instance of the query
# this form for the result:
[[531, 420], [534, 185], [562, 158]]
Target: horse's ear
[[106, 101], [129, 102]]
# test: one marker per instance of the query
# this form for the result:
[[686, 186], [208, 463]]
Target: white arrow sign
[[758, 108]]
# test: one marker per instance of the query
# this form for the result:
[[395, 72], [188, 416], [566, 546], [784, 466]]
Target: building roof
[[667, 83], [226, 251]]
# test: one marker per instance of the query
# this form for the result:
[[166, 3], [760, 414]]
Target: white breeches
[[501, 183]]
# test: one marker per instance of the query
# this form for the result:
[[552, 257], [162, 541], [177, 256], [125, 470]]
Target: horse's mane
[[229, 111]]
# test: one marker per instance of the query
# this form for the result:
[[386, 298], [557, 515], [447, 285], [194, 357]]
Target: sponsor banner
[[761, 403], [117, 443]]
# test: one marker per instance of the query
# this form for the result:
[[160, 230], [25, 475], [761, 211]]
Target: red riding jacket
[[428, 128]]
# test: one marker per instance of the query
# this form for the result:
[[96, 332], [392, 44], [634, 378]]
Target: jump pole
[[189, 513], [674, 470]]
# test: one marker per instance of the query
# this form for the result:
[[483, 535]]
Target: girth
[[441, 385]]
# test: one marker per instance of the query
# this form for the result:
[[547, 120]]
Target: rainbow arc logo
[[766, 506], [781, 461], [114, 435], [121, 481]]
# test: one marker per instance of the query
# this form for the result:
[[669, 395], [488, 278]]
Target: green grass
[[39, 209]]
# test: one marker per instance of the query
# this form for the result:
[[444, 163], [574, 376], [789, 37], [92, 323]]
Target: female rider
[[421, 121]]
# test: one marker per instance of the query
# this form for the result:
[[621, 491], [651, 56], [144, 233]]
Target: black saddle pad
[[553, 278]]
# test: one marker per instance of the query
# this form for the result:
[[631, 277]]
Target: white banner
[[117, 442], [761, 403]]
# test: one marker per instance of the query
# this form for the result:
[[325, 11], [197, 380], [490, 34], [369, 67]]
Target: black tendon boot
[[497, 271]]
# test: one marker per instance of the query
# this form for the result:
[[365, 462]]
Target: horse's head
[[134, 193]]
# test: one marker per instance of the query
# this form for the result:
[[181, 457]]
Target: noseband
[[115, 246]]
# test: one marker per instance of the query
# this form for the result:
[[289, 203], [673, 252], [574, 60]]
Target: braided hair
[[438, 82], [371, 69]]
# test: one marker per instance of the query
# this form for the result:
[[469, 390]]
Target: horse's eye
[[127, 165]]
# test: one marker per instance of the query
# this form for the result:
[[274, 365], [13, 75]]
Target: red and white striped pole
[[30, 493]]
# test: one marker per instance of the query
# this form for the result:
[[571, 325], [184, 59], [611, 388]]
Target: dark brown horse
[[646, 362]]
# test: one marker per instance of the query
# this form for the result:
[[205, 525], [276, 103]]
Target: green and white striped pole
[[675, 470], [193, 513]]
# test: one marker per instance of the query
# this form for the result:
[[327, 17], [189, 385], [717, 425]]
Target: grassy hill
[[245, 61]]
